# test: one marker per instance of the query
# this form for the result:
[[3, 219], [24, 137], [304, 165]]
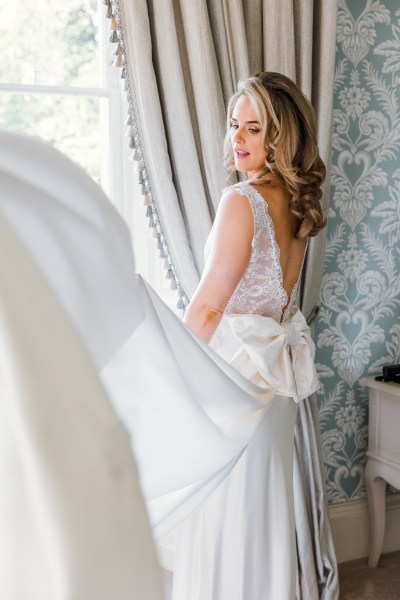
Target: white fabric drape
[[72, 518], [82, 503], [181, 71]]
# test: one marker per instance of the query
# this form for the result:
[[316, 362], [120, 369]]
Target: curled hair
[[288, 125]]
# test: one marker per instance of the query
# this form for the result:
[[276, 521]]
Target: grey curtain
[[181, 61]]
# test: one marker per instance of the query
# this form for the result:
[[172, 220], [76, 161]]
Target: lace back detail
[[261, 291]]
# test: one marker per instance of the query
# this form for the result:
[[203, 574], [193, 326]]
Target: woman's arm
[[227, 261]]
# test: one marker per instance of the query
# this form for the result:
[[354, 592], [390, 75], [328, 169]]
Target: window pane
[[50, 42], [73, 124]]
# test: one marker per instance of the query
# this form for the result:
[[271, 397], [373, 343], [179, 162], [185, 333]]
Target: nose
[[237, 135]]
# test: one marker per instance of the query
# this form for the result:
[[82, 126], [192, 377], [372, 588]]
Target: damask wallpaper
[[358, 328]]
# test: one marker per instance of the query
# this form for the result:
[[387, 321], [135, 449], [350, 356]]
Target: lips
[[241, 153]]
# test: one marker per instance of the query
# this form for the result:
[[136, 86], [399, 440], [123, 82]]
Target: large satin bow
[[274, 355]]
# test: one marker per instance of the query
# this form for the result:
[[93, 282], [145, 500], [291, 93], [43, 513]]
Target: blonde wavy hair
[[288, 124]]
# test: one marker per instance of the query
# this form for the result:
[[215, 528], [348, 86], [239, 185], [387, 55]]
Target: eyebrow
[[247, 122]]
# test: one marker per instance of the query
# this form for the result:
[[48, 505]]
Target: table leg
[[376, 487]]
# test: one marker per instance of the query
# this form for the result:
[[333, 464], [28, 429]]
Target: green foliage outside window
[[53, 43]]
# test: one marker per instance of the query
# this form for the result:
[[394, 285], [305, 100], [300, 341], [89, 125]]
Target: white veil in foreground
[[72, 518]]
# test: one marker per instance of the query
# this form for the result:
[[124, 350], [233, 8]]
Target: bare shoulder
[[234, 211], [234, 206], [234, 203]]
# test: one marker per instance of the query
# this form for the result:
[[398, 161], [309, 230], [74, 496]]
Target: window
[[57, 81]]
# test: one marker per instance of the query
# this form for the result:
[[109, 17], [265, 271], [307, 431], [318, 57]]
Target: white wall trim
[[351, 528]]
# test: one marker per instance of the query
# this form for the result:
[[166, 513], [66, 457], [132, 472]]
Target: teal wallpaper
[[358, 328]]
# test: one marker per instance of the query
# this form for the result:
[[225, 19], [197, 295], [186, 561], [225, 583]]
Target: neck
[[269, 179]]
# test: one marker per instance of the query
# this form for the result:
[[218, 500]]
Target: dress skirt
[[240, 543]]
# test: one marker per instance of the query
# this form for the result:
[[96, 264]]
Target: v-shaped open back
[[261, 289]]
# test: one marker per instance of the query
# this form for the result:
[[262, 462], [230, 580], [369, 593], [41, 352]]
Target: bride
[[240, 543]]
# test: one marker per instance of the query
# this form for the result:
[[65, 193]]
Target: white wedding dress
[[211, 428], [240, 543]]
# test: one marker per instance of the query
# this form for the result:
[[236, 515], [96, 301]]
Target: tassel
[[155, 233], [113, 37], [180, 304], [144, 191], [106, 2], [131, 143], [165, 263], [129, 120], [129, 131], [151, 222], [109, 13], [117, 50], [135, 157], [146, 200], [172, 284], [149, 211], [118, 62], [163, 254], [114, 24], [169, 274]]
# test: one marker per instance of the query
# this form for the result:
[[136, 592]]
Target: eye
[[234, 125], [254, 130]]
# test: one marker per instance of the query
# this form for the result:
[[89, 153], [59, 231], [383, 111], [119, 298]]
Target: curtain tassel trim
[[118, 62], [113, 13], [113, 37]]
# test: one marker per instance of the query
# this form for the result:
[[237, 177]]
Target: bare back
[[291, 249]]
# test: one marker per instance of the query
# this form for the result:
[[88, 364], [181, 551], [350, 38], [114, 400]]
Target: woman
[[240, 544]]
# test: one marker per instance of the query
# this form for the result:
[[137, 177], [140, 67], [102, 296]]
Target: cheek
[[260, 149], [257, 144]]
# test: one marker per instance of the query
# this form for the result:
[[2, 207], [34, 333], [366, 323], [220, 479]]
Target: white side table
[[383, 464]]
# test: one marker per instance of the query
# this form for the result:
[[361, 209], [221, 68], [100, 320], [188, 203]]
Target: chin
[[239, 168]]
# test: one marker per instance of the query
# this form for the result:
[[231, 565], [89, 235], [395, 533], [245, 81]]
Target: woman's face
[[247, 138]]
